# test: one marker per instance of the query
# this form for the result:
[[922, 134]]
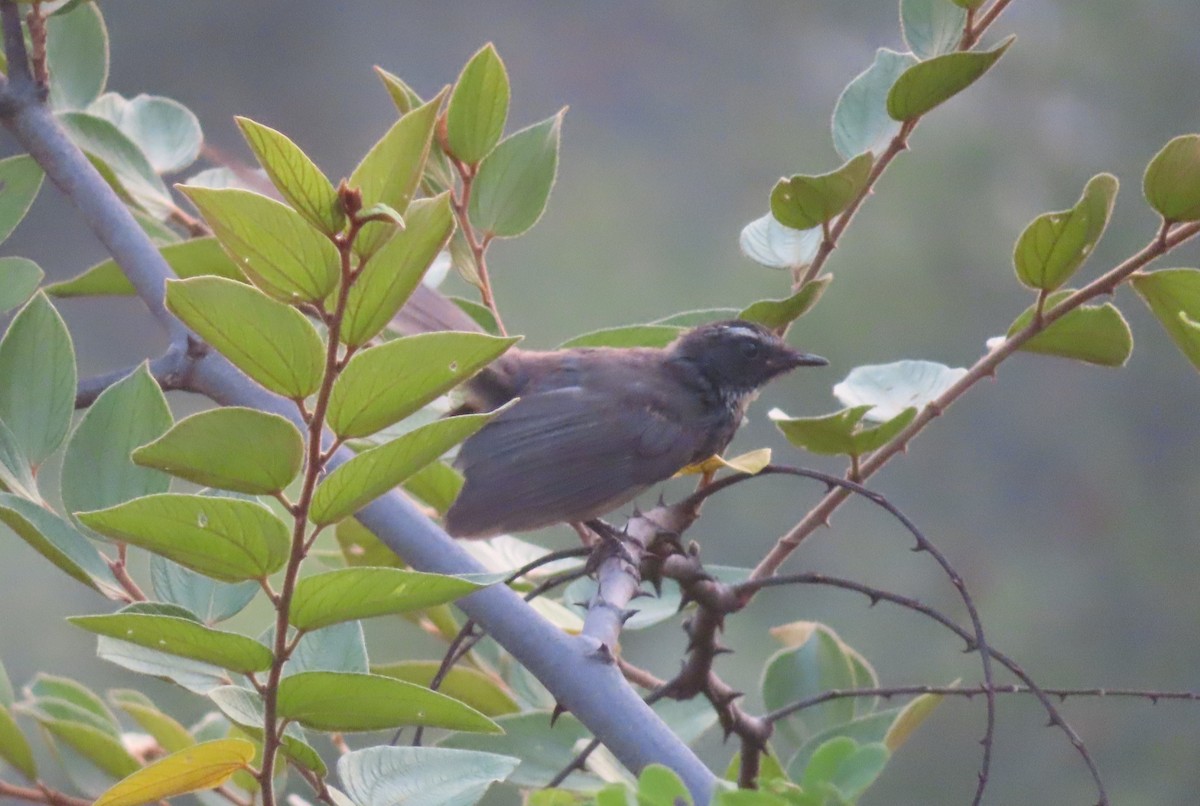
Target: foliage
[[294, 283]]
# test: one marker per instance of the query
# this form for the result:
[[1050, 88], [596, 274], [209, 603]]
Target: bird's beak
[[808, 360]]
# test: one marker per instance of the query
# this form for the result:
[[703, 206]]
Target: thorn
[[728, 699], [582, 605], [662, 502], [627, 614], [637, 514], [603, 654], [685, 599], [644, 593], [720, 649], [559, 710]]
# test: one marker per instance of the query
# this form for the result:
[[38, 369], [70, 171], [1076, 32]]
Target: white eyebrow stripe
[[742, 330]]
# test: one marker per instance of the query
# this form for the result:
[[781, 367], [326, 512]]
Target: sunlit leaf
[[1174, 297], [931, 83], [1172, 179], [191, 258], [778, 313], [626, 336], [295, 176], [478, 107], [803, 202], [226, 539], [271, 342], [1094, 334], [182, 637], [359, 702], [229, 448], [1055, 245]]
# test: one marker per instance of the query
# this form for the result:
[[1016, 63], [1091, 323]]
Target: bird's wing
[[564, 454]]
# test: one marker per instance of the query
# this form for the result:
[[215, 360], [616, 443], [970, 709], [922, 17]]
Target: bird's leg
[[608, 543]]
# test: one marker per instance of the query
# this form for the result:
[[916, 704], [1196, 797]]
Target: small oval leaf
[[769, 243], [281, 252], [478, 107], [931, 27], [779, 313], [513, 185], [271, 342], [931, 83], [1174, 297], [20, 179], [195, 257], [373, 472], [224, 538], [803, 202], [338, 701], [1172, 180], [229, 448], [892, 388], [357, 593], [295, 176], [861, 121], [1055, 245], [384, 384], [1094, 334], [182, 637]]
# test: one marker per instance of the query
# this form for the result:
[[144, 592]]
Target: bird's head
[[739, 357]]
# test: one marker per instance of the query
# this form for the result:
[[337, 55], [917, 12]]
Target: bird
[[588, 429]]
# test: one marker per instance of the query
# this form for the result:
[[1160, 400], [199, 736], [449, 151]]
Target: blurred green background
[[1066, 495]]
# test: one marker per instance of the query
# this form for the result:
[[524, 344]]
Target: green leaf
[[861, 121], [437, 484], [926, 85], [968, 3], [226, 539], [778, 313], [270, 242], [1172, 180], [844, 769], [357, 593], [229, 448], [97, 471], [1055, 245], [121, 161], [77, 53], [59, 542], [932, 27], [395, 270], [387, 776], [373, 472], [471, 686], [769, 243], [271, 342], [697, 317], [336, 701], [820, 662], [391, 170], [660, 786], [626, 336], [295, 176], [514, 181], [19, 278], [203, 766], [1174, 297], [892, 388], [182, 637], [245, 708], [196, 677], [544, 749], [803, 202], [209, 600], [1094, 334], [14, 748], [384, 384], [6, 689], [192, 258], [170, 735], [166, 131], [840, 433], [478, 107], [37, 379], [20, 180]]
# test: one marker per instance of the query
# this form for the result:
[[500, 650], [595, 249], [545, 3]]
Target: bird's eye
[[750, 349]]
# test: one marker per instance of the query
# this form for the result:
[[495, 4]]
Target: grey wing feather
[[562, 455]]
